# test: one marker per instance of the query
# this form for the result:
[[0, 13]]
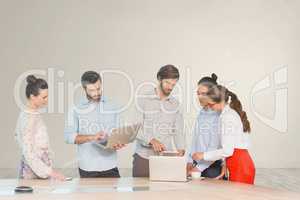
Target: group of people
[[219, 145]]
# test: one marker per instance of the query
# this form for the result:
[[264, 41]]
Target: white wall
[[241, 41]]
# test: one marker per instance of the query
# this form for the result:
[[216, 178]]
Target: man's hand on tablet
[[80, 138], [118, 146], [100, 136]]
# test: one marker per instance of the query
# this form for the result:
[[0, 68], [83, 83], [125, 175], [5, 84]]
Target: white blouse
[[232, 136]]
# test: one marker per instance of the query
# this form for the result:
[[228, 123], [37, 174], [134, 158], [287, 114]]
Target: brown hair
[[90, 77], [210, 80], [34, 85], [219, 93], [168, 72]]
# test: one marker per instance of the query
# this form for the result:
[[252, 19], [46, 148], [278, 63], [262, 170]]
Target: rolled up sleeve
[[71, 127], [180, 135], [145, 135]]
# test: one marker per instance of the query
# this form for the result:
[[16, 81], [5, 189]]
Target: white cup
[[196, 175]]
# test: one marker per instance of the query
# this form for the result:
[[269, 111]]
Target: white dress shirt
[[162, 120], [233, 136]]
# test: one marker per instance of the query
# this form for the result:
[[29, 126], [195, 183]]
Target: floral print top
[[32, 138]]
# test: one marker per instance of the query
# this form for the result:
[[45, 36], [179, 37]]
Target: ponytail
[[236, 105], [220, 93]]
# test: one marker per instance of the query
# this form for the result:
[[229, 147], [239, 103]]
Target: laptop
[[167, 168], [122, 135]]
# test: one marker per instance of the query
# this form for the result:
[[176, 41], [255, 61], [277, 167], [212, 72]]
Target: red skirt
[[241, 167]]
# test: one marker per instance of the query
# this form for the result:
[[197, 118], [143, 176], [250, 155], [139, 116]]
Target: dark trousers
[[140, 166], [214, 170], [112, 173]]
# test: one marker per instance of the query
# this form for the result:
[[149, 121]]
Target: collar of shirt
[[153, 95], [36, 112], [207, 111], [86, 101], [225, 109]]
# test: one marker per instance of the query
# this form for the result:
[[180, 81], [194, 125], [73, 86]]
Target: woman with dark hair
[[235, 129], [32, 136], [205, 134]]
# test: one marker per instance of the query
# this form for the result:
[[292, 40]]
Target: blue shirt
[[88, 118], [206, 136]]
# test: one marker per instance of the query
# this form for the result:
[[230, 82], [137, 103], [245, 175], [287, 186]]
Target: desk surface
[[138, 189]]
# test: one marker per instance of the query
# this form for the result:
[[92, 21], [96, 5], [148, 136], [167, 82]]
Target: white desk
[[139, 189]]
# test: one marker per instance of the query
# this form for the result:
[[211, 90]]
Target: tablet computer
[[122, 135]]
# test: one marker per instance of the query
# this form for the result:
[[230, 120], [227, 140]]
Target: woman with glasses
[[235, 129], [206, 136]]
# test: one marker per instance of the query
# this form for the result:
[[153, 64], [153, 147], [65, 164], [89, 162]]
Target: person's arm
[[195, 145], [71, 127], [189, 167], [145, 136], [157, 145], [29, 150], [191, 150], [116, 123], [180, 134], [223, 171], [80, 139], [72, 135], [229, 129]]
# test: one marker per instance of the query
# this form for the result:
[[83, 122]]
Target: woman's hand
[[57, 176], [181, 152], [191, 169], [198, 156], [223, 172]]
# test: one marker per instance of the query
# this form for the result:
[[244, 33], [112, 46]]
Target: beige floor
[[270, 184], [283, 179]]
